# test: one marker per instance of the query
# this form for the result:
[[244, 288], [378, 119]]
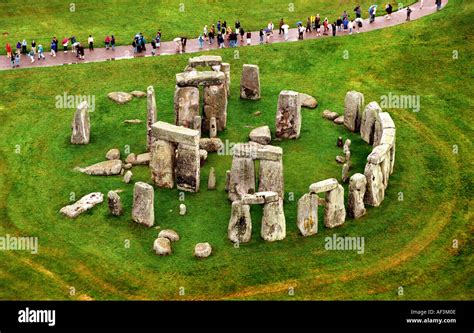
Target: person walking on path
[[308, 25], [53, 47], [184, 40], [220, 40], [421, 4], [282, 23], [211, 35], [261, 36], [107, 42], [90, 41], [249, 38], [438, 5], [242, 34], [8, 47], [23, 46], [205, 32], [31, 54], [358, 11], [153, 47], [408, 13], [112, 42], [358, 24], [237, 25], [33, 46], [318, 25], [333, 28], [80, 51], [65, 43], [18, 47], [158, 39], [41, 52], [389, 10], [17, 59], [326, 26], [12, 60], [201, 41], [372, 11]]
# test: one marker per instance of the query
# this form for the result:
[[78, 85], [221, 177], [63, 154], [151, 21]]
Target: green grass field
[[41, 20], [408, 243]]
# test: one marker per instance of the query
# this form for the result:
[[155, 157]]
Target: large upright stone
[[367, 126], [307, 221], [389, 138], [375, 188], [186, 106], [271, 177], [225, 67], [162, 163], [335, 211], [215, 105], [115, 203], [151, 114], [188, 168], [250, 82], [273, 221], [143, 204], [383, 121], [177, 134], [240, 223], [357, 185], [288, 116], [353, 106], [211, 182], [242, 177], [81, 125]]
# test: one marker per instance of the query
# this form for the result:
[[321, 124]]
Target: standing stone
[[151, 114], [162, 246], [273, 221], [345, 171], [353, 106], [227, 180], [383, 122], [162, 163], [143, 204], [347, 149], [81, 125], [127, 177], [356, 206], [240, 224], [271, 177], [381, 155], [213, 128], [115, 203], [288, 117], [197, 123], [182, 209], [250, 82], [225, 67], [308, 214], [211, 183], [335, 211], [188, 167], [186, 106], [261, 135], [242, 177], [375, 189], [367, 126], [215, 105]]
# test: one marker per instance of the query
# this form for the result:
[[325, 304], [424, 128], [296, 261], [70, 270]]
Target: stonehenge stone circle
[[250, 82], [84, 204], [151, 115], [162, 246], [367, 126], [261, 135], [273, 221], [288, 116], [115, 203], [240, 224], [143, 204], [205, 61], [353, 105], [81, 125], [357, 185], [307, 220]]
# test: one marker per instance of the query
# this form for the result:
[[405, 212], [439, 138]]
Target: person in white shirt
[[90, 41]]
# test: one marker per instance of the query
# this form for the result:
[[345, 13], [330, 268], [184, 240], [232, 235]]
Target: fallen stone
[[133, 121], [340, 159], [261, 135], [307, 220], [162, 246], [202, 250], [143, 204], [257, 113], [211, 145], [120, 97], [324, 186], [138, 94], [142, 159], [339, 120], [106, 168], [170, 234], [308, 101], [115, 203], [113, 154], [240, 223], [330, 115], [84, 204], [250, 82], [127, 166], [130, 159], [127, 177]]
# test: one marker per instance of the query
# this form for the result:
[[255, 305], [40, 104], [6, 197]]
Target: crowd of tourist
[[221, 33]]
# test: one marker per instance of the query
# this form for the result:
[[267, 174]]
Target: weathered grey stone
[[120, 97], [347, 150], [339, 120], [252, 199], [357, 185], [330, 115], [389, 137], [170, 234], [268, 196], [142, 159], [151, 115], [162, 246], [379, 154], [127, 166], [143, 204], [227, 180], [383, 121], [130, 159], [197, 123], [375, 188], [340, 159], [162, 163], [335, 211], [307, 220], [250, 82], [138, 94], [345, 172], [205, 61], [353, 107], [240, 223], [385, 168], [288, 116], [127, 177], [115, 203], [113, 154], [202, 250], [196, 78], [106, 168], [225, 67], [271, 177], [211, 145], [242, 178], [84, 204], [211, 183], [81, 125], [202, 156], [273, 221], [186, 106], [215, 105], [177, 134], [308, 101], [188, 168], [367, 126], [261, 135], [324, 186], [213, 128], [182, 209], [270, 153], [132, 121]]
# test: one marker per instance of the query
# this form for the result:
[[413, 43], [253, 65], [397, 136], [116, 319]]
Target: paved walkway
[[168, 48]]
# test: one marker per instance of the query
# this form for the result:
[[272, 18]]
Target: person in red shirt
[[9, 50]]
